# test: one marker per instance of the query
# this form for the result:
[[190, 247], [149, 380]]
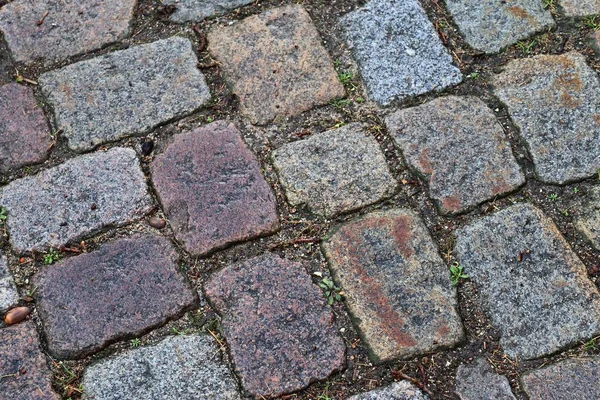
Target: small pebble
[[16, 315], [147, 147], [157, 222]]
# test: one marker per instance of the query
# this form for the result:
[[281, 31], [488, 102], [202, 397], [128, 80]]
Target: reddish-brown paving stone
[[121, 290], [24, 132], [277, 323], [23, 369], [211, 187], [398, 288], [276, 64], [69, 27], [580, 8], [459, 146]]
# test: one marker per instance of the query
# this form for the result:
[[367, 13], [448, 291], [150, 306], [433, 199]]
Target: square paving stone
[[121, 290], [536, 289], [580, 8], [280, 330], [478, 381], [67, 28], [75, 199], [23, 367], [126, 92], [554, 101], [588, 218], [197, 10], [177, 368], [491, 25], [333, 172], [397, 287], [212, 189], [8, 291], [276, 64], [457, 144], [24, 132], [402, 390], [398, 50], [567, 379]]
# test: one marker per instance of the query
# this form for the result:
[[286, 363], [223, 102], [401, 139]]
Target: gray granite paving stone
[[69, 27], [587, 220], [478, 381], [457, 144], [23, 368], [555, 102], [8, 291], [542, 303], [126, 92], [197, 10], [491, 25], [402, 390], [566, 379], [580, 8], [212, 189], [279, 328], [276, 64], [398, 50], [397, 288], [24, 131], [335, 171], [121, 290], [177, 368], [75, 199]]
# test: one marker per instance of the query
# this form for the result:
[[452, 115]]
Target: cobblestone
[[126, 92], [567, 379], [402, 390], [479, 381], [197, 10], [8, 292], [580, 8], [588, 219], [535, 287]]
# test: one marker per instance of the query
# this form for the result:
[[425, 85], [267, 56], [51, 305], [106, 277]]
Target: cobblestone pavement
[[315, 199]]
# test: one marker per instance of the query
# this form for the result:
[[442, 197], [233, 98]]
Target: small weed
[[473, 75], [52, 256], [3, 215], [553, 196], [591, 345], [346, 78], [550, 5], [575, 190], [325, 394], [210, 119], [136, 342], [339, 104], [177, 331], [339, 124], [360, 100], [525, 47], [592, 22], [332, 292], [457, 273]]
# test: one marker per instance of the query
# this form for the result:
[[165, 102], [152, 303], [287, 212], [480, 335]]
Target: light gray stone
[[178, 368], [535, 287], [457, 144], [491, 25], [398, 50], [479, 381], [197, 10], [75, 199], [335, 171], [555, 102], [580, 8], [8, 291], [402, 390], [126, 92], [588, 218]]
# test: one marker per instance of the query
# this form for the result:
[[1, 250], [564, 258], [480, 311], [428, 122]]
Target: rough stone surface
[[277, 323], [125, 92], [402, 390], [121, 290], [197, 10], [276, 64], [8, 290], [567, 379], [75, 199], [24, 132], [491, 25], [554, 102], [588, 220], [580, 8], [542, 303], [212, 189], [397, 288], [178, 368], [335, 171], [25, 374], [459, 146], [398, 50], [479, 381], [70, 27]]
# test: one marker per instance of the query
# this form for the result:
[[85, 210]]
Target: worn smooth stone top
[[542, 303], [69, 28], [126, 92], [459, 146], [197, 10], [75, 199], [554, 102], [491, 25], [8, 291], [580, 8], [403, 390], [478, 381], [177, 368], [587, 220], [398, 50], [24, 131], [212, 189]]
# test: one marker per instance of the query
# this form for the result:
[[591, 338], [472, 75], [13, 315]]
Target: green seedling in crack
[[3, 215], [52, 256], [332, 292], [457, 273]]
